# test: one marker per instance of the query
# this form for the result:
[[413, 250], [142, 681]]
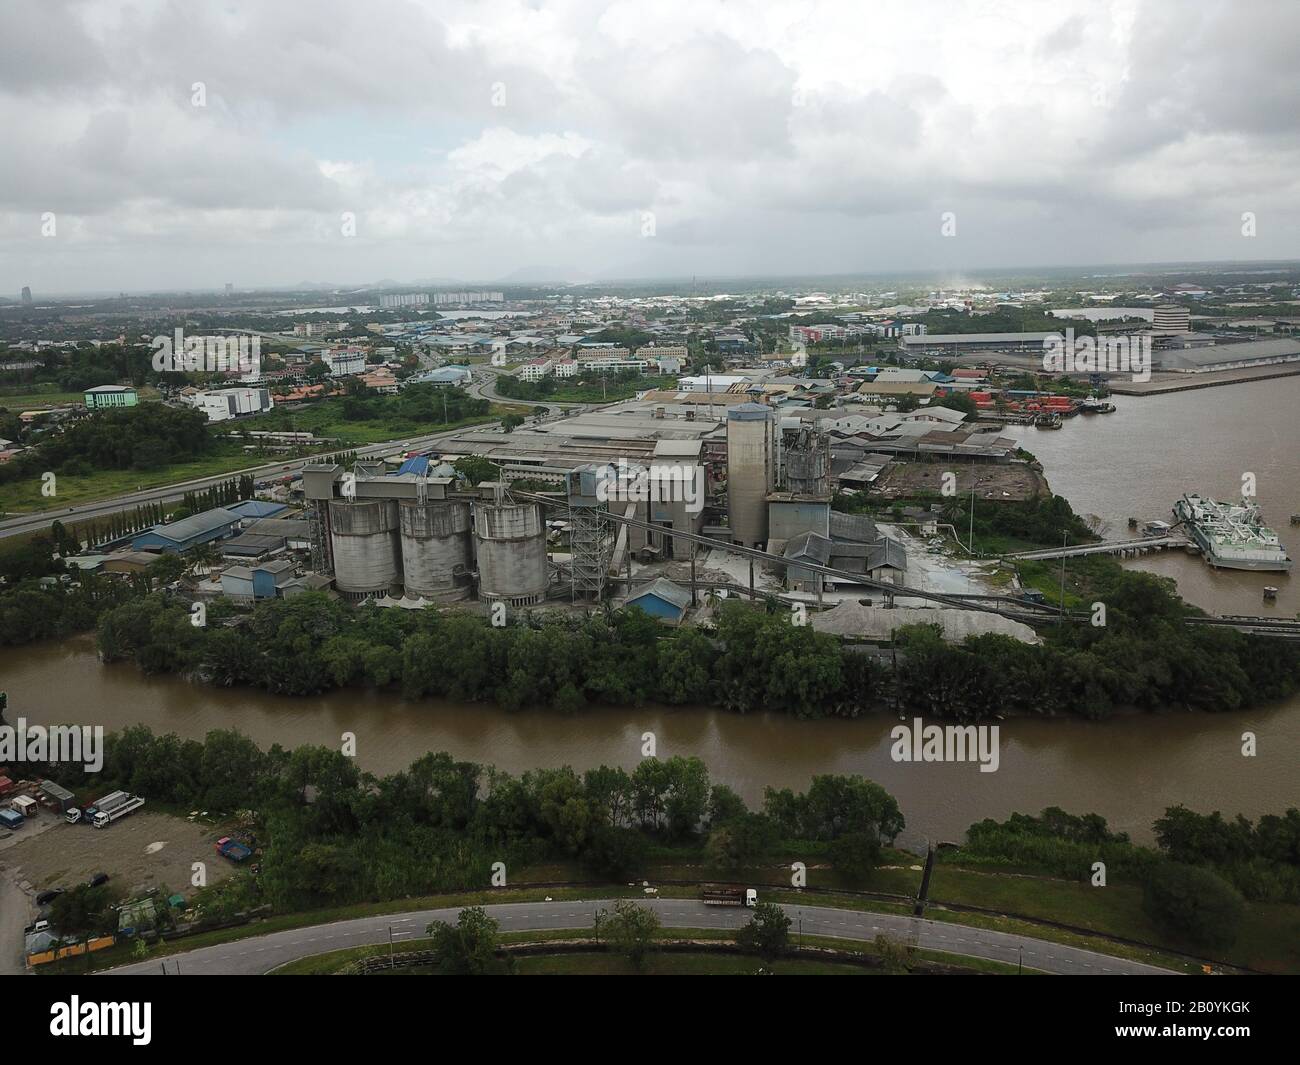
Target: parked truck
[[232, 849], [110, 801], [726, 895], [12, 820], [103, 818]]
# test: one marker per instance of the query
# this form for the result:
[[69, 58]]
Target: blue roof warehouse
[[188, 532]]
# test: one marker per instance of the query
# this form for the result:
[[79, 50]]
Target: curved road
[[259, 954]]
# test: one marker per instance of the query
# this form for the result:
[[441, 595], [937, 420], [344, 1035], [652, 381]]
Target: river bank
[[1127, 769]]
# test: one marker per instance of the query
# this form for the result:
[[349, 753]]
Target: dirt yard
[[1014, 481], [140, 852]]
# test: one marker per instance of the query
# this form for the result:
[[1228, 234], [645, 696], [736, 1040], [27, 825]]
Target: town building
[[107, 397], [227, 403]]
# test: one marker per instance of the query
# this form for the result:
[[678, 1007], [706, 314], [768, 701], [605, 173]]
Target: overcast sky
[[493, 139]]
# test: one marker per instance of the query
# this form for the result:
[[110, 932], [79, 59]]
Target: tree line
[[335, 834], [1195, 879], [147, 437], [757, 659]]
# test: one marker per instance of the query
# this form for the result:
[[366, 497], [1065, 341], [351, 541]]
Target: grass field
[[23, 497], [325, 418], [30, 397]]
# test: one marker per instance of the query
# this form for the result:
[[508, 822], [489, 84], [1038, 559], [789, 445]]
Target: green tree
[[84, 911], [768, 932], [476, 469], [854, 855], [632, 931], [896, 956], [468, 948], [742, 841], [1193, 902]]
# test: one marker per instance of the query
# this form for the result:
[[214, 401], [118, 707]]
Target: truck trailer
[[110, 801], [103, 818], [726, 895]]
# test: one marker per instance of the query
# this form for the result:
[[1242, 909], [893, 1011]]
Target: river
[[1135, 462]]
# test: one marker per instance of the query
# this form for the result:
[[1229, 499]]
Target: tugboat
[[1049, 419]]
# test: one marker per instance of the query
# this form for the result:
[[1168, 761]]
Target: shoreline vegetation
[[753, 658], [331, 835]]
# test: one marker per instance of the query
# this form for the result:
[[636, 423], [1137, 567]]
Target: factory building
[[180, 536]]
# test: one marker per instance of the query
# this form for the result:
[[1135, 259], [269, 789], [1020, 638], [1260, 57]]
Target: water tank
[[367, 559], [436, 548], [511, 543], [751, 455]]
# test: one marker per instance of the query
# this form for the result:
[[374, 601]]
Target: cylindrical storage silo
[[511, 543], [750, 457], [436, 549], [367, 560]]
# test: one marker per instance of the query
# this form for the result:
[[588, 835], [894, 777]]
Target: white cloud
[[769, 136]]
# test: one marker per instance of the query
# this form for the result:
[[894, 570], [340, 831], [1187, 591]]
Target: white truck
[[727, 895], [103, 818]]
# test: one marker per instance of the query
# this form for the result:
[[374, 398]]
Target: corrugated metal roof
[[663, 588], [196, 524]]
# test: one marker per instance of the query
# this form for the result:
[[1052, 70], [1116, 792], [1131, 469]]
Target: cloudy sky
[[186, 144]]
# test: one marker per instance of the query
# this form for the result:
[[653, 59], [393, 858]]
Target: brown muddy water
[[1134, 463]]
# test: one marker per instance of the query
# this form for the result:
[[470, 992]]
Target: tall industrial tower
[[751, 471], [589, 531]]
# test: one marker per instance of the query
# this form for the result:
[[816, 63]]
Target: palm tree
[[201, 558]]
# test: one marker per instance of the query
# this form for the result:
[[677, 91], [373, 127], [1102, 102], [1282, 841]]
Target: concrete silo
[[808, 463], [511, 542], [364, 541], [437, 558], [751, 471]]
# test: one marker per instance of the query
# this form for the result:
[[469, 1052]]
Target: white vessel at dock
[[1231, 536]]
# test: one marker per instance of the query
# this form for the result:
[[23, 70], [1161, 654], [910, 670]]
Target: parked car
[[97, 880], [46, 897]]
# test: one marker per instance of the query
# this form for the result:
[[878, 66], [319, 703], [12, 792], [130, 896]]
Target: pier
[[1124, 548]]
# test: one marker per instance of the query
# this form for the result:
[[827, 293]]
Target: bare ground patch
[[65, 855]]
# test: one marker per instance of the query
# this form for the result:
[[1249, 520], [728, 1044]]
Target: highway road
[[25, 523], [484, 386], [37, 520], [260, 954]]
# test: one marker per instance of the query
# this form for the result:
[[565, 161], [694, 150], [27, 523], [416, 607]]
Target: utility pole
[[970, 539], [924, 893], [694, 603], [1065, 536]]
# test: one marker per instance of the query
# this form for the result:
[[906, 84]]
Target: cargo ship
[[1231, 536]]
